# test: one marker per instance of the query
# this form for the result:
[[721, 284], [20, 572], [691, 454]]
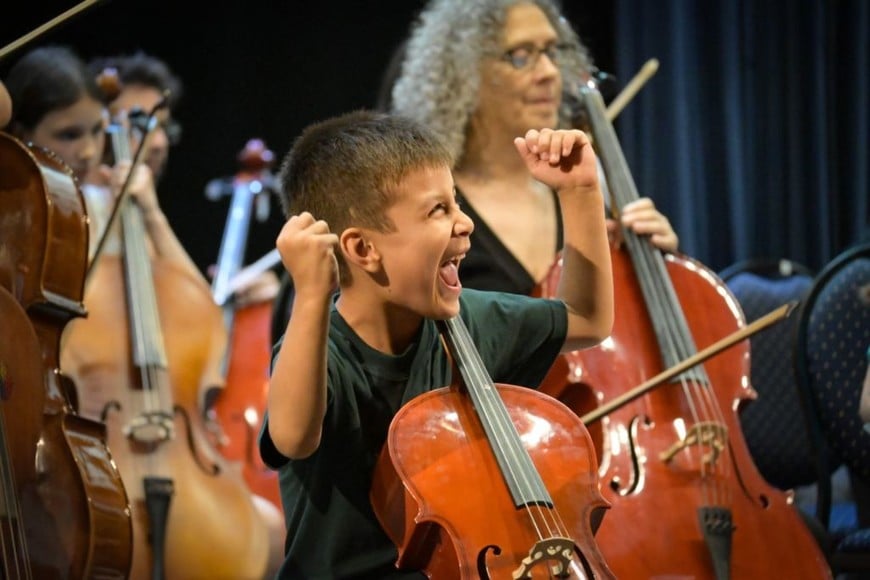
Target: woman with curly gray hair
[[481, 74]]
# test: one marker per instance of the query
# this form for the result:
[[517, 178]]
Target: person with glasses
[[142, 82], [479, 73]]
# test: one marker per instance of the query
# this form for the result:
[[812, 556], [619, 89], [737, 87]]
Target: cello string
[[163, 399], [666, 303], [677, 339], [508, 436], [12, 511], [661, 302], [657, 306], [144, 319], [478, 384], [120, 140], [703, 392], [624, 191]]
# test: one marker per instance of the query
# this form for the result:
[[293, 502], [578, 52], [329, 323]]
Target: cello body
[[212, 529], [652, 529], [448, 500], [241, 404], [688, 500], [239, 410], [66, 513]]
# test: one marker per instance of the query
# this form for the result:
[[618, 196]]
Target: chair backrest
[[830, 357], [774, 425]]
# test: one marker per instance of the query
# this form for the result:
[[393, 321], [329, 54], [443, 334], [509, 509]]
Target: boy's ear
[[358, 250]]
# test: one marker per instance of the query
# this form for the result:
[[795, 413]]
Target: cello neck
[[235, 237], [249, 185], [522, 478], [619, 180], [669, 322], [145, 332]]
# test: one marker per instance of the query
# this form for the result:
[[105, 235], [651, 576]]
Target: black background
[[262, 69]]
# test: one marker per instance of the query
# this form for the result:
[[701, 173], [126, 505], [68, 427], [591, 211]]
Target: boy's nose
[[464, 226]]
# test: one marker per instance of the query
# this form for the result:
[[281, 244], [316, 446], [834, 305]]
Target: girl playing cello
[[148, 392]]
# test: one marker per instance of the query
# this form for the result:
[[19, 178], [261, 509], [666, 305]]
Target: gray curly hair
[[440, 76]]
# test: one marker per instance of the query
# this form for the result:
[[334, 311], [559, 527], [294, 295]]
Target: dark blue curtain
[[753, 135]]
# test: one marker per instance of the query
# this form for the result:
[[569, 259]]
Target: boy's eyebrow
[[434, 195]]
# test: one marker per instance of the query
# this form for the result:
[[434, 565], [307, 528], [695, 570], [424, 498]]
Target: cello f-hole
[[214, 468], [482, 570], [109, 407]]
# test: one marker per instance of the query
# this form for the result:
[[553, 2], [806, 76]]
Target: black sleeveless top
[[490, 265]]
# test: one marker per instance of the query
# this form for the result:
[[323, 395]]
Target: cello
[[688, 501], [143, 358], [240, 405], [528, 507], [65, 510]]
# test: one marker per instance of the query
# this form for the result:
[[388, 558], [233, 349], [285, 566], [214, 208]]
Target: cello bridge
[[705, 433], [151, 428]]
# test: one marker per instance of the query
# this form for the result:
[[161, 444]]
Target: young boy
[[372, 209]]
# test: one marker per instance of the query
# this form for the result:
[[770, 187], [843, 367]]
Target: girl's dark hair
[[47, 79]]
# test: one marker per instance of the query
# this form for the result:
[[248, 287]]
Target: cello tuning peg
[[606, 83], [263, 207], [218, 188]]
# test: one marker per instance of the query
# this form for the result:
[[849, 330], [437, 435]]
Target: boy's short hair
[[345, 170]]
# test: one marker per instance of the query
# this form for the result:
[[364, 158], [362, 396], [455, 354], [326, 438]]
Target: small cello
[[484, 480], [65, 512], [688, 501], [240, 405]]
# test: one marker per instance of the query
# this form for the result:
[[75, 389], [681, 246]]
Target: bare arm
[[565, 161], [297, 388], [167, 245], [162, 237]]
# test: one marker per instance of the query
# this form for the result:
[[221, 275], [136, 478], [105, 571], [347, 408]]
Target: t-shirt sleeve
[[517, 336], [270, 455], [273, 458]]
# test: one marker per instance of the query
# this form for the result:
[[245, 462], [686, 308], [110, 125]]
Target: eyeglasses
[[526, 56], [172, 128]]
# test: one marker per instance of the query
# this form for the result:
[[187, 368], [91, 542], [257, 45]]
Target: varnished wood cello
[[687, 499], [239, 407], [65, 513], [241, 404], [150, 348], [479, 480]]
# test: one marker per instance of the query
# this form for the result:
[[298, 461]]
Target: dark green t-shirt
[[332, 531]]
